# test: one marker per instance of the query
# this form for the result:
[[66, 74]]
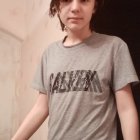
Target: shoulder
[[111, 41], [111, 45], [54, 44], [51, 47], [110, 38]]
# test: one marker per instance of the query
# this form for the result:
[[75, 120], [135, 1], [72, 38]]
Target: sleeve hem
[[131, 79], [36, 87]]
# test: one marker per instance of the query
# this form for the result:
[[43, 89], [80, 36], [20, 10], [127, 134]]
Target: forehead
[[58, 1]]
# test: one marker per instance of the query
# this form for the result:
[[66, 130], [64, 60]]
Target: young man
[[83, 80]]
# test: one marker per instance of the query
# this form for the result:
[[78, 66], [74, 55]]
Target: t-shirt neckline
[[75, 46]]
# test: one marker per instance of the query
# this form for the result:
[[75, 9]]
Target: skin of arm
[[34, 119], [127, 113]]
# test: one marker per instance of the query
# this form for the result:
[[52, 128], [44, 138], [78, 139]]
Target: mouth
[[74, 18]]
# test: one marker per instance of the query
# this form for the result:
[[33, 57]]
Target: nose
[[75, 6]]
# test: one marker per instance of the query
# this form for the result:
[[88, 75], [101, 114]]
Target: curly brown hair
[[54, 8]]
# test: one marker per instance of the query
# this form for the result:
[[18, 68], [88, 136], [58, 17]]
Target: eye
[[65, 1], [85, 0]]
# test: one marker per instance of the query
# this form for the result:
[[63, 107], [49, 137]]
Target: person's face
[[76, 14]]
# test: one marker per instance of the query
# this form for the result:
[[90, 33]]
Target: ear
[[58, 15], [95, 7], [94, 10]]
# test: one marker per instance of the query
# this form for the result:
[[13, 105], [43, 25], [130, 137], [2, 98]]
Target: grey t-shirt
[[81, 81]]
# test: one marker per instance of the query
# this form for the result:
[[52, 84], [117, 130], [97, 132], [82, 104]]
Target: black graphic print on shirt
[[79, 80]]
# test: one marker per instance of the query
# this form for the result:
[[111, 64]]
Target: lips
[[75, 18]]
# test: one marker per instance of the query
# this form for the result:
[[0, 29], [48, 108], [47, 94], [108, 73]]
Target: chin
[[75, 28]]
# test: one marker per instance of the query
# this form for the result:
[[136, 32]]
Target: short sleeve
[[40, 79], [123, 68]]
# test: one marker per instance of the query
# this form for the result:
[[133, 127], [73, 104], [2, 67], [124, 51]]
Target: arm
[[34, 119], [127, 113]]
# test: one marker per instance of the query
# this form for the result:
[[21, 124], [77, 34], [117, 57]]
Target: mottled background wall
[[25, 30]]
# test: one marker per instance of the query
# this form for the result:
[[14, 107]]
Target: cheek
[[62, 18], [63, 14], [89, 14]]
